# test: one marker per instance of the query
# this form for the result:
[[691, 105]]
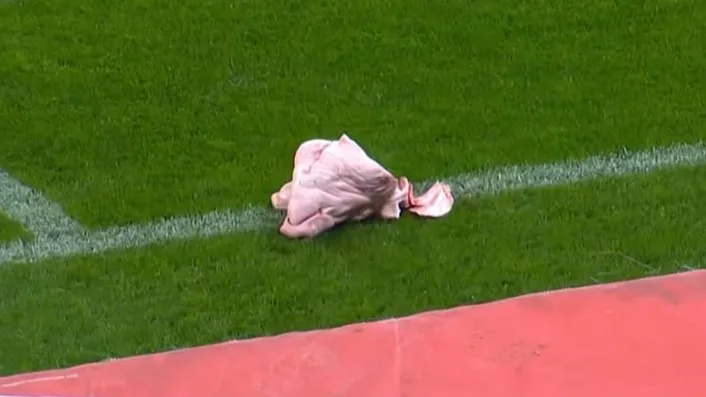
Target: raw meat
[[336, 181]]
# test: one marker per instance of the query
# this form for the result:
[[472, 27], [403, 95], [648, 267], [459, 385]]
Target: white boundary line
[[57, 236], [29, 207]]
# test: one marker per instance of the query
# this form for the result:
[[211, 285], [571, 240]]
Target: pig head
[[336, 181]]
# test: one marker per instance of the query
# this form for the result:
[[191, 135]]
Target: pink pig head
[[336, 181]]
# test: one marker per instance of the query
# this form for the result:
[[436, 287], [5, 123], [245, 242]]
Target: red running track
[[640, 338]]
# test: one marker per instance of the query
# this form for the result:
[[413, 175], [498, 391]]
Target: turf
[[255, 284], [133, 110], [126, 111], [11, 230]]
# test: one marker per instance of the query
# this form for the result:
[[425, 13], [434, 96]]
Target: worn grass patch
[[187, 293]]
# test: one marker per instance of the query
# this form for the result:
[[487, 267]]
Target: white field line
[[75, 241], [28, 206]]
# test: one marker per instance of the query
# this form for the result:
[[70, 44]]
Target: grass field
[[10, 230], [127, 112]]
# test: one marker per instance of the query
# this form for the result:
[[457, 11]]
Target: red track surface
[[641, 338]]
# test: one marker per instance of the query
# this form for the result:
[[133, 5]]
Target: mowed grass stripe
[[141, 109], [255, 218], [68, 311]]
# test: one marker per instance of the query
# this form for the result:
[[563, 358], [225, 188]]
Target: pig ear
[[344, 140]]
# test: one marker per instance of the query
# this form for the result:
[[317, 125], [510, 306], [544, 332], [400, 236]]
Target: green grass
[[254, 284], [126, 111], [132, 110], [11, 230]]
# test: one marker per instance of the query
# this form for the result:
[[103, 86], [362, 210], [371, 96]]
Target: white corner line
[[75, 241], [41, 216]]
